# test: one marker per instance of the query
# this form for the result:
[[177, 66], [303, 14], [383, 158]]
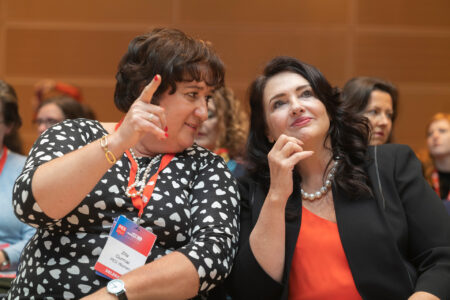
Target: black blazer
[[396, 242]]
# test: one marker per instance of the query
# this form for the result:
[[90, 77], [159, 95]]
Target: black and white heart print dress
[[194, 209]]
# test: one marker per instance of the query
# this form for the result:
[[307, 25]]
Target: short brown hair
[[173, 55]]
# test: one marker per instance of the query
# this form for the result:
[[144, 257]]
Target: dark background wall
[[81, 42]]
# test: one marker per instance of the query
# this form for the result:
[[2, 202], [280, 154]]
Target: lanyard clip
[[139, 217], [138, 220]]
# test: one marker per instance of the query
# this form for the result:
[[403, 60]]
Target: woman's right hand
[[285, 154], [143, 117], [267, 239]]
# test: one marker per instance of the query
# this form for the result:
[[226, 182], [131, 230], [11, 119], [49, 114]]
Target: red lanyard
[[138, 201], [3, 158], [436, 186]]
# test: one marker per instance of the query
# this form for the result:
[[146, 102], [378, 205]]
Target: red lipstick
[[302, 121]]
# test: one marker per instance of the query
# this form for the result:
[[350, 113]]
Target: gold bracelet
[[108, 154]]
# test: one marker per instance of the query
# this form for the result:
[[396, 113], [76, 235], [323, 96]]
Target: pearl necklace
[[324, 189], [140, 184]]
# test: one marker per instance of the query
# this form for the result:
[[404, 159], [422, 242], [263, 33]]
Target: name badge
[[126, 249]]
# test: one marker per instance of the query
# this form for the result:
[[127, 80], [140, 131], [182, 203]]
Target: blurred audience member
[[56, 109], [48, 88], [377, 100], [437, 164], [13, 233], [225, 130]]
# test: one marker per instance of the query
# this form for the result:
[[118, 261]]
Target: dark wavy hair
[[11, 117], [356, 95], [348, 132], [171, 53]]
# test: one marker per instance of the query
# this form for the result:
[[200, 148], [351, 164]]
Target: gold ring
[[150, 116]]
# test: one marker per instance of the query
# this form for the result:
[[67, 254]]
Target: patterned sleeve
[[53, 143], [214, 215]]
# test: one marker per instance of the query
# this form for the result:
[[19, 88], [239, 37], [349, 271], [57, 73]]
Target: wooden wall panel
[[263, 12], [2, 37], [69, 53], [81, 42], [101, 100], [416, 107], [404, 57], [417, 13], [93, 11], [245, 53]]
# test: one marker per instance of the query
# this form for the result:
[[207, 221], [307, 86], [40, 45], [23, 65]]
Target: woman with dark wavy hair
[[319, 219], [133, 209], [377, 100]]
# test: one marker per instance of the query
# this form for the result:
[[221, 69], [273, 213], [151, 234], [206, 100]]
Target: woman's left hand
[[423, 296]]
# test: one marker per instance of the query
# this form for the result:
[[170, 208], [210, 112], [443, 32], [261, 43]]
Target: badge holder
[[126, 249]]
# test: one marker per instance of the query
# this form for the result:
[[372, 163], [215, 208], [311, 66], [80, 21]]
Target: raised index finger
[[150, 89]]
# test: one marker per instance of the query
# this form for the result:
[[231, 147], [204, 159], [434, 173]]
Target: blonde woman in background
[[225, 130]]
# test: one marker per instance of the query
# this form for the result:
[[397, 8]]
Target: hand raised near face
[[285, 154], [144, 117]]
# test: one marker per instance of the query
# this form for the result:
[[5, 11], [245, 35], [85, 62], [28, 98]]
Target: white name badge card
[[126, 249]]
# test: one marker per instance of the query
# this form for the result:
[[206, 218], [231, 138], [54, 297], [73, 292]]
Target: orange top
[[319, 267]]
